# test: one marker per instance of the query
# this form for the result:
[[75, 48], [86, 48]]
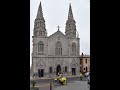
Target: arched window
[[40, 33], [74, 33], [36, 24], [65, 68], [58, 48], [73, 48], [50, 70], [86, 60], [40, 46]]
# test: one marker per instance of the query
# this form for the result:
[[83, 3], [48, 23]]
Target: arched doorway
[[40, 72], [73, 69], [58, 69]]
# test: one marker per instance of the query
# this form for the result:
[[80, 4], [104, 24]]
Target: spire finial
[[40, 13], [70, 4], [70, 14], [58, 27]]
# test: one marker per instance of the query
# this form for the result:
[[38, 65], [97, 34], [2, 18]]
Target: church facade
[[57, 53]]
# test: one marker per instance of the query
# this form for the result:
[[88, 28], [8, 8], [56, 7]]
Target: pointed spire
[[70, 24], [39, 24], [40, 13], [70, 14]]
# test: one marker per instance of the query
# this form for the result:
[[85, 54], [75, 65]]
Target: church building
[[57, 53]]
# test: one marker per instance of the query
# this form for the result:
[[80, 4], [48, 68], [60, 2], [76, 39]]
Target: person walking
[[58, 74], [81, 76], [89, 79]]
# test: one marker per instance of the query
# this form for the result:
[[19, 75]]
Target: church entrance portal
[[40, 72], [73, 71], [58, 69]]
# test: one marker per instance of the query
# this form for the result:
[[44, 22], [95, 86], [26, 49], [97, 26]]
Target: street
[[76, 85], [42, 81], [73, 84]]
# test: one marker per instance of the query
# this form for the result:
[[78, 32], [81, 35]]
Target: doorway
[[40, 72], [73, 71], [58, 69], [86, 69]]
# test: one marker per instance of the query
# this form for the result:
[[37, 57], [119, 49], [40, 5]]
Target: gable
[[40, 64], [54, 39], [58, 35], [73, 64]]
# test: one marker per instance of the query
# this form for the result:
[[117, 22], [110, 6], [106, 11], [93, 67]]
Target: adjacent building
[[85, 63]]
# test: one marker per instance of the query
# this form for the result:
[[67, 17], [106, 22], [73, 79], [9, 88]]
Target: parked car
[[86, 74]]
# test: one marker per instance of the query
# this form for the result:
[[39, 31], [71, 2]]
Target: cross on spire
[[58, 27]]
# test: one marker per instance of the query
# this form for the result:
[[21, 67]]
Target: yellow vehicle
[[60, 81]]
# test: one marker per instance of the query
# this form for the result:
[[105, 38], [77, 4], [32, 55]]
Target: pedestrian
[[89, 76], [34, 76], [81, 76], [58, 74], [89, 79]]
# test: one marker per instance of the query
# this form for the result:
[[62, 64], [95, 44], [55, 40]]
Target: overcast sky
[[55, 13]]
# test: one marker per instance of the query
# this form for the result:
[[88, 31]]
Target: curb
[[52, 78]]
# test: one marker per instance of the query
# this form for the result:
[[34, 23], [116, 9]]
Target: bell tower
[[39, 24], [70, 29]]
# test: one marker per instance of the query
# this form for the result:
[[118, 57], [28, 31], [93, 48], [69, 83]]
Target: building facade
[[55, 53], [85, 63]]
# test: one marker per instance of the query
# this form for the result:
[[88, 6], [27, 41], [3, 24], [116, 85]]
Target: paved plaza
[[75, 85]]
